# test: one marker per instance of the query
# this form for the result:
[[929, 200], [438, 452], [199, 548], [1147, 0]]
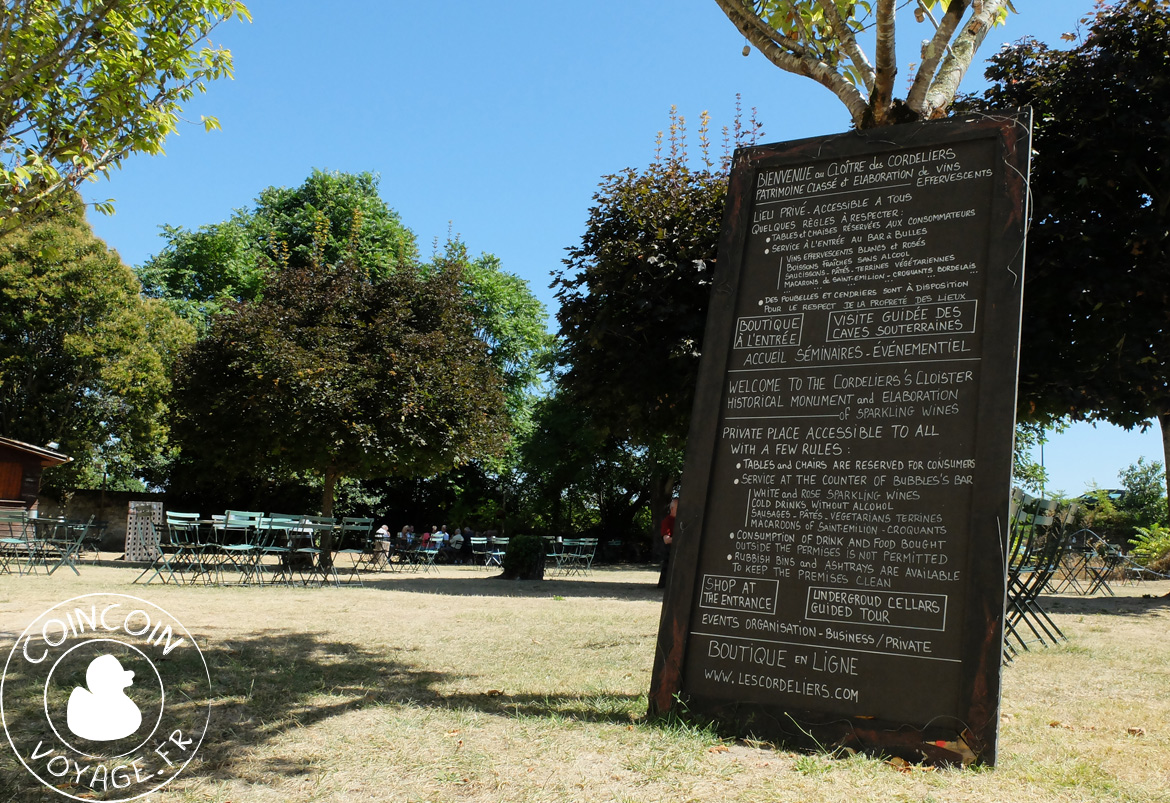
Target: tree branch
[[64, 53], [10, 25], [732, 8], [848, 42], [42, 196], [946, 83], [807, 65], [932, 53]]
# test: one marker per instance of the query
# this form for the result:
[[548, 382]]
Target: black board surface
[[839, 569]]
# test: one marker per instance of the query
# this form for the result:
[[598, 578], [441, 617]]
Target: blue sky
[[498, 120]]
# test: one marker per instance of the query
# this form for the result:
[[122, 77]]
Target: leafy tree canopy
[[359, 226], [825, 40], [84, 84], [330, 215], [335, 219], [634, 297], [1096, 324], [1027, 471], [634, 293], [580, 479], [1145, 492], [199, 271], [334, 373], [508, 318], [84, 360]]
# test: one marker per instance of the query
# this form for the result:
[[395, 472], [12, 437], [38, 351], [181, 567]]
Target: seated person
[[465, 554], [382, 538], [451, 551]]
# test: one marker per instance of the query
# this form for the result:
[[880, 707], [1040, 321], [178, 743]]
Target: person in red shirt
[[667, 532]]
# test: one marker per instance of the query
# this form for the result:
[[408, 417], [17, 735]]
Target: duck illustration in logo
[[103, 712]]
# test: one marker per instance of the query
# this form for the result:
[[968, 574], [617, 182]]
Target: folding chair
[[41, 536], [355, 539], [1072, 567], [377, 550], [275, 540], [577, 556], [48, 539], [588, 552], [311, 536], [554, 547], [496, 549], [1036, 548], [409, 553], [479, 550], [93, 541], [239, 544], [1102, 560], [426, 553], [383, 553], [568, 556], [190, 557], [14, 544]]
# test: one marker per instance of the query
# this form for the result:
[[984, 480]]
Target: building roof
[[48, 457]]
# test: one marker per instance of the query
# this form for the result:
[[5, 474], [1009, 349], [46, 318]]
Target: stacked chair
[[1037, 537]]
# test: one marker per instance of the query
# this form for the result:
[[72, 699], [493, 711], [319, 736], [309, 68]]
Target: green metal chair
[[240, 542], [14, 544], [355, 539], [191, 561], [312, 537], [276, 541], [496, 549], [426, 553], [1035, 546], [167, 554], [479, 550], [576, 557], [45, 534]]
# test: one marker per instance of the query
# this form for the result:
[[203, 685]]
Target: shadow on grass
[[274, 682], [490, 585], [1153, 599]]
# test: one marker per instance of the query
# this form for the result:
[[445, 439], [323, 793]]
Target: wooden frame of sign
[[838, 577]]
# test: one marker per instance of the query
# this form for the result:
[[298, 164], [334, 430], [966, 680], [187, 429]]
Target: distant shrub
[[1140, 503], [524, 558], [1145, 492], [1102, 516], [1152, 547]]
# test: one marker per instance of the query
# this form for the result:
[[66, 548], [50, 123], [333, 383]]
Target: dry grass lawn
[[452, 686]]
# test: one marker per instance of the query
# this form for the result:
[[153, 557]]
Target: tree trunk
[[932, 55], [332, 474], [881, 97], [503, 510], [1164, 422], [328, 488], [958, 60]]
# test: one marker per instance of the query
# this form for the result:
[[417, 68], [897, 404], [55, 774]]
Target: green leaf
[[90, 84]]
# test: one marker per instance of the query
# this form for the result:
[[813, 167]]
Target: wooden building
[[21, 465]]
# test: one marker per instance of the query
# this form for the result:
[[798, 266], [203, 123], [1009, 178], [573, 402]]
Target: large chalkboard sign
[[839, 567]]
